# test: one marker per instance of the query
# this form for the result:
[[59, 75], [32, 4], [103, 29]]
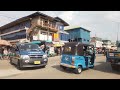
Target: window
[[13, 36], [61, 36], [84, 39], [80, 39], [69, 50], [88, 40], [61, 27]]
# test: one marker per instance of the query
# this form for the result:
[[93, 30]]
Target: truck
[[113, 57]]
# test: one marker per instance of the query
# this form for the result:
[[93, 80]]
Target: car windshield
[[29, 47], [69, 50]]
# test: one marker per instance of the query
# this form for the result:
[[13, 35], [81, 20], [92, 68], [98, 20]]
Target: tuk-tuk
[[77, 56]]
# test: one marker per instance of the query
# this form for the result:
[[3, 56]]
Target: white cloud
[[113, 16], [67, 15]]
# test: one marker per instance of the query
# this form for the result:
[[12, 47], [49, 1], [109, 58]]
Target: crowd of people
[[57, 50], [4, 52]]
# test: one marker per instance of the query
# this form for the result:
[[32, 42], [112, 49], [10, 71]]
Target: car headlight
[[45, 59], [25, 57], [45, 56]]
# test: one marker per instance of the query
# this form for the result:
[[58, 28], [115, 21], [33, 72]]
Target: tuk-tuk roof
[[77, 43]]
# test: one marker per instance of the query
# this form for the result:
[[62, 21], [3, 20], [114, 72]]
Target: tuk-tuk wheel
[[78, 70], [63, 67], [91, 67]]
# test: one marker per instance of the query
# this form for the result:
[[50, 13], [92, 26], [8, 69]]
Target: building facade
[[79, 34], [36, 26], [97, 42], [107, 44]]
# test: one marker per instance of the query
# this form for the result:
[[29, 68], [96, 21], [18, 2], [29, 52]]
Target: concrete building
[[97, 42], [107, 44], [78, 34], [36, 26]]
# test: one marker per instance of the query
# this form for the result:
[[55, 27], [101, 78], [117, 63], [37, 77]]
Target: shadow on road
[[105, 67], [28, 68], [60, 69], [67, 70]]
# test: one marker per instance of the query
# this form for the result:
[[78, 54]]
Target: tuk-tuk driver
[[91, 53]]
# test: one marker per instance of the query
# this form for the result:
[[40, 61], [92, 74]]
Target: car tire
[[78, 70], [19, 66], [11, 61], [63, 67]]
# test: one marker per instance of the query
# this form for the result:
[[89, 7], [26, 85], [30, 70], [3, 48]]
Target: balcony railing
[[45, 24]]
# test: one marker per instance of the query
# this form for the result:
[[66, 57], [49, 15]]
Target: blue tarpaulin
[[36, 42]]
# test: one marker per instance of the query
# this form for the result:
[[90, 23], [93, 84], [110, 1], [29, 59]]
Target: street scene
[[56, 45], [102, 70]]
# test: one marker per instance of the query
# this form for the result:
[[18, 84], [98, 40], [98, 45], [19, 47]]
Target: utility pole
[[117, 41], [117, 36]]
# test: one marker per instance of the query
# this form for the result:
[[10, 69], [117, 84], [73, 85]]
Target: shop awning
[[4, 42], [58, 44]]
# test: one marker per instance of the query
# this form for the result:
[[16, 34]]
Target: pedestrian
[[5, 53], [1, 53]]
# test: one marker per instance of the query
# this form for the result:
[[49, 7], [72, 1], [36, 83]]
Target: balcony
[[44, 24]]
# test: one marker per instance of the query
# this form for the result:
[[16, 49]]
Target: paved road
[[102, 70]]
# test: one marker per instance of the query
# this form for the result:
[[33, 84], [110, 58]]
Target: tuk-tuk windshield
[[69, 50]]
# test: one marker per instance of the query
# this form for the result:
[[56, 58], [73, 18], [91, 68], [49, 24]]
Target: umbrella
[[4, 42]]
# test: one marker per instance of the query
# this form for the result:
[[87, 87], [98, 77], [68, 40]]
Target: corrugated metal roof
[[63, 32], [31, 16], [75, 27]]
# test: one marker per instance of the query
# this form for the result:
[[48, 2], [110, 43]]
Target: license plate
[[111, 54], [36, 62]]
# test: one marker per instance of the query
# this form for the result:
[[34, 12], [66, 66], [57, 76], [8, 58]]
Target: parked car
[[28, 55]]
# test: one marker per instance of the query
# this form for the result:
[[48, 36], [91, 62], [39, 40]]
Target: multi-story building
[[36, 26], [107, 43], [63, 35], [97, 42], [78, 34]]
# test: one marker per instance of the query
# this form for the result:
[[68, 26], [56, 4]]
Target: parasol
[[4, 42]]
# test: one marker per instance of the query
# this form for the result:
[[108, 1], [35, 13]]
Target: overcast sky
[[103, 24]]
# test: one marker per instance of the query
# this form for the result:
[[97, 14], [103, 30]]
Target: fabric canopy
[[36, 42], [4, 42]]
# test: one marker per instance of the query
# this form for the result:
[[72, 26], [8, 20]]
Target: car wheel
[[11, 61], [19, 66], [78, 70], [63, 67]]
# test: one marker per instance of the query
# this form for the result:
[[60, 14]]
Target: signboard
[[35, 37], [50, 38], [56, 37]]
